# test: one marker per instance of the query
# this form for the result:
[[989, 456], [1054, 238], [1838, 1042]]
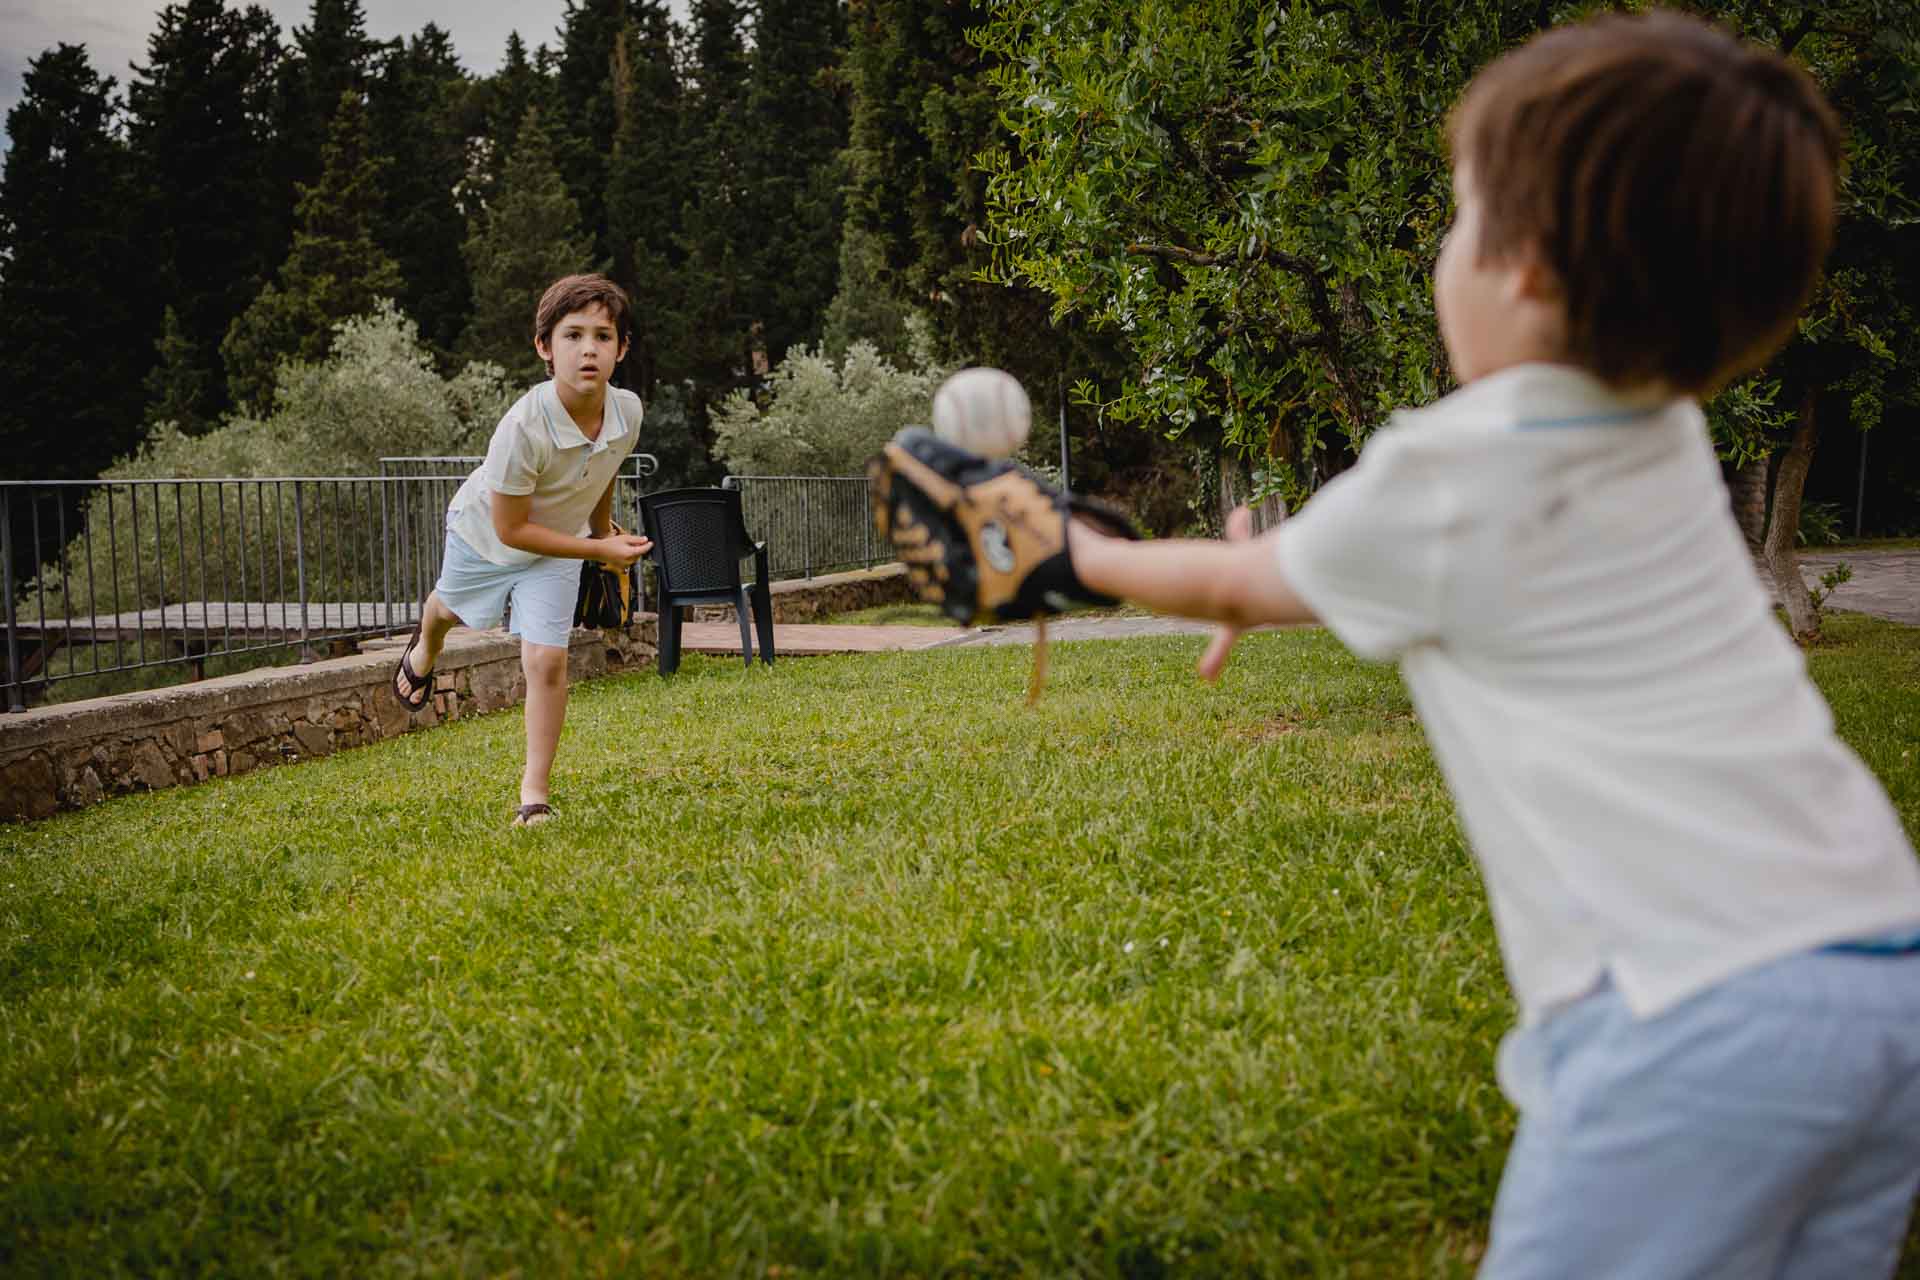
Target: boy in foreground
[[541, 503], [1708, 909]]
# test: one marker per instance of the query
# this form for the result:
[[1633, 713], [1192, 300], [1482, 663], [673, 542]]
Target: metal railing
[[101, 577], [811, 524]]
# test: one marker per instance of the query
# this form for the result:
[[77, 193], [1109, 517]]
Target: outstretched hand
[[1214, 660], [620, 550]]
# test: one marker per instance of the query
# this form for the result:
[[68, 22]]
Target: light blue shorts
[[1769, 1127], [477, 590]]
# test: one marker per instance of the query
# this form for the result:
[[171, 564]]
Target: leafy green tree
[[414, 110], [529, 237], [923, 113], [1857, 351], [209, 199], [1249, 195], [75, 334], [821, 417], [334, 271]]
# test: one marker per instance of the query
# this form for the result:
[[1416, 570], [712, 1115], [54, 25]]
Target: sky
[[115, 31]]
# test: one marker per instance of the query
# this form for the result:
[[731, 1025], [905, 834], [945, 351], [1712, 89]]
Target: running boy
[[541, 503], [1708, 909]]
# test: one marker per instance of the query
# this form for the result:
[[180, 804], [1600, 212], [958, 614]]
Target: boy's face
[[1494, 312], [584, 349]]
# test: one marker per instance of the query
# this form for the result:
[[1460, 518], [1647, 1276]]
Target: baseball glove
[[984, 539], [606, 594]]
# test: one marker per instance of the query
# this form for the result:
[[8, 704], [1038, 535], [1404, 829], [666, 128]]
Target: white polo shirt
[[1648, 778], [538, 450]]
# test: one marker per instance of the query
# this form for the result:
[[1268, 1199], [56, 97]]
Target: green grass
[[855, 966], [892, 615]]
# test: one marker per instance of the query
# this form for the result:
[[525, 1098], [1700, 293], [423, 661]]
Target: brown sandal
[[532, 815]]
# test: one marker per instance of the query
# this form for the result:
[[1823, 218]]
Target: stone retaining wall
[[75, 754]]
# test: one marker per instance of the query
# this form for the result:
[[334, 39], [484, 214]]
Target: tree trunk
[[1747, 487], [1781, 559], [1236, 486]]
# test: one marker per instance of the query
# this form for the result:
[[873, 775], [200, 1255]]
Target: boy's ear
[[541, 347], [1531, 279]]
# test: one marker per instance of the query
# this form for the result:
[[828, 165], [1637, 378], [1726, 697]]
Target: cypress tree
[[74, 335], [413, 106], [208, 193], [587, 115], [647, 173], [529, 237], [334, 271], [795, 131], [332, 55], [712, 346], [176, 386]]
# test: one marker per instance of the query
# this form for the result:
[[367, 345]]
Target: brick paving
[[1885, 584]]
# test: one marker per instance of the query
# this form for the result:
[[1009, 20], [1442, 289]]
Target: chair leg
[[669, 659], [763, 619], [746, 636]]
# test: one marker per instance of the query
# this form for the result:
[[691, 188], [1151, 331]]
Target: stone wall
[[75, 754], [811, 599]]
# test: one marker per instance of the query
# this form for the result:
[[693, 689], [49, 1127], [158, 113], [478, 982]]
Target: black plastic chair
[[699, 539]]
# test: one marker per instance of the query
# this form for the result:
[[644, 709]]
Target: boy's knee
[[545, 663]]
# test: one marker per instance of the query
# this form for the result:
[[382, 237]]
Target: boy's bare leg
[[437, 620], [545, 666]]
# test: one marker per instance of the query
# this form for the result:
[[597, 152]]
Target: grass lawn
[[855, 966]]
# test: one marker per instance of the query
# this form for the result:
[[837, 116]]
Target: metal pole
[[1860, 494], [300, 570], [15, 702], [1065, 482]]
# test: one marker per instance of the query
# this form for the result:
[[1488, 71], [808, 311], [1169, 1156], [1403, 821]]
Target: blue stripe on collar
[[1617, 417]]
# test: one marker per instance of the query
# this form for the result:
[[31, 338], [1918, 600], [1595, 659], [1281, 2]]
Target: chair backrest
[[699, 537]]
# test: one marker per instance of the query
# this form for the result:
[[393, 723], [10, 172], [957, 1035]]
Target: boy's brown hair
[[1678, 182], [569, 294]]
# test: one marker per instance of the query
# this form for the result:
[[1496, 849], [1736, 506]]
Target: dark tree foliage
[[647, 171], [210, 208], [334, 271], [526, 239], [588, 114], [714, 350], [75, 333], [923, 114], [331, 55], [501, 102], [177, 385], [415, 112], [791, 172]]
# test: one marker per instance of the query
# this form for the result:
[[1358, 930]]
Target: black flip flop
[[532, 815], [418, 687]]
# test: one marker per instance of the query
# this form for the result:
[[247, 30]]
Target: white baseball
[[984, 411]]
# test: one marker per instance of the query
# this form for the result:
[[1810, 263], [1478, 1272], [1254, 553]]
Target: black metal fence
[[104, 577], [811, 524]]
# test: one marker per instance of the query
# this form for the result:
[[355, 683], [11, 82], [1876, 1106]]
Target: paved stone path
[[1885, 584]]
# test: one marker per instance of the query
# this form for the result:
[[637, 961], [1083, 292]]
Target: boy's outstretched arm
[[1238, 583]]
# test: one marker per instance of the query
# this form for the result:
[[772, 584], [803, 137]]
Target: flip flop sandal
[[418, 688], [532, 815]]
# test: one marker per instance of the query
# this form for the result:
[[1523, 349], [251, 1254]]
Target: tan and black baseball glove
[[986, 540]]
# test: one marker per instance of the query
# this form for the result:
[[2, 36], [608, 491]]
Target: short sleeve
[[1369, 551], [511, 466]]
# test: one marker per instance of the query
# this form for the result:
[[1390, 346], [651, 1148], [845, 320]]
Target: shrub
[[819, 418]]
